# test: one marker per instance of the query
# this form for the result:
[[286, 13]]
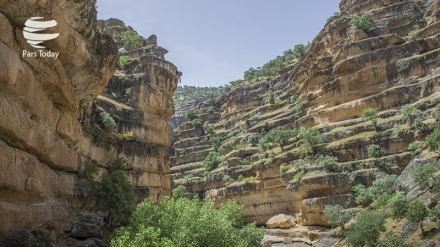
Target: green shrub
[[184, 222], [250, 179], [392, 240], [210, 129], [123, 61], [190, 115], [417, 213], [433, 139], [124, 136], [374, 151], [215, 142], [327, 161], [90, 171], [212, 161], [299, 107], [408, 111], [419, 125], [310, 138], [264, 145], [299, 50], [280, 136], [424, 174], [397, 129], [271, 97], [336, 215], [107, 121], [298, 176], [366, 230], [114, 195], [127, 92], [253, 139], [283, 169], [364, 22], [399, 205], [196, 123], [370, 114], [179, 191], [131, 40], [278, 102], [363, 195], [240, 178], [415, 148]]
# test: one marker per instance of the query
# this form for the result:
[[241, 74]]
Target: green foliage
[[114, 194], [132, 40], [212, 160], [215, 142], [363, 195], [433, 139], [415, 148], [179, 191], [283, 169], [185, 93], [300, 50], [370, 114], [299, 107], [366, 230], [298, 176], [419, 125], [392, 240], [399, 205], [196, 123], [253, 139], [310, 138], [124, 136], [424, 174], [364, 22], [123, 61], [127, 92], [386, 185], [107, 121], [397, 129], [373, 151], [408, 111], [271, 97], [177, 131], [327, 161], [263, 144], [278, 102], [280, 136], [90, 171], [184, 222], [336, 215], [210, 129], [190, 114], [417, 212]]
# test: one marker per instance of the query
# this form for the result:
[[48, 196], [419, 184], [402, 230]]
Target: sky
[[214, 42]]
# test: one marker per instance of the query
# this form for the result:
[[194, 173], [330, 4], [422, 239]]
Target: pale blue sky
[[214, 42]]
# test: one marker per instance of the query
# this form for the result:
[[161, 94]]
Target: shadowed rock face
[[345, 71]]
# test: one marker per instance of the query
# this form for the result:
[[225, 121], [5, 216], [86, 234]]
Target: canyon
[[54, 114]]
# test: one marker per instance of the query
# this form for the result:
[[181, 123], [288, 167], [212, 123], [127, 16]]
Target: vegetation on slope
[[185, 93]]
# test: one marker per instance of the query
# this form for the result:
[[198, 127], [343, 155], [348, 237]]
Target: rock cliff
[[345, 71], [50, 126]]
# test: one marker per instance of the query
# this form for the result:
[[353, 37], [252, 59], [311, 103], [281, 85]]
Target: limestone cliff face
[[345, 71], [50, 114]]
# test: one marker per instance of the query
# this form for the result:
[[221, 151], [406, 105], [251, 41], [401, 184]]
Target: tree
[[271, 97], [299, 50], [310, 139], [132, 40], [212, 161], [114, 194], [399, 205], [371, 115], [183, 222], [263, 145], [433, 139], [123, 61], [107, 121], [196, 123], [363, 22], [280, 136], [373, 151], [408, 111], [179, 191], [366, 229], [417, 213], [337, 215], [423, 175], [215, 142], [190, 114], [210, 129]]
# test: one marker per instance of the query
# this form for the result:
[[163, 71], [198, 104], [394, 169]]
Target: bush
[[373, 151], [271, 97], [363, 195], [283, 169], [423, 175], [415, 148], [433, 139], [408, 111], [298, 176], [212, 161], [397, 129], [90, 171], [328, 162], [366, 229], [399, 205], [179, 191], [364, 22], [371, 115], [253, 139], [417, 213], [310, 139], [107, 121], [190, 115], [131, 40], [184, 222], [215, 142], [278, 102], [336, 215], [419, 125], [280, 136], [123, 61], [299, 107], [392, 240], [263, 145], [386, 185], [210, 129], [196, 123], [114, 195]]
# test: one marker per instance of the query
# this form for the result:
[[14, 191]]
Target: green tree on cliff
[[371, 115], [132, 40]]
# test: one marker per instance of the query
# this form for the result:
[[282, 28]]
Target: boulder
[[281, 221], [82, 230]]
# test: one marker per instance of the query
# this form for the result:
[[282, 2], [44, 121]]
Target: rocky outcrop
[[51, 126], [344, 72]]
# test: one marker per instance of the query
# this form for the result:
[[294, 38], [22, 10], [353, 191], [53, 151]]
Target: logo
[[33, 26], [32, 33]]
